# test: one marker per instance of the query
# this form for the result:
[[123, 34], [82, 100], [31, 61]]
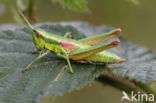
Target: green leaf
[[135, 2], [46, 77], [43, 77], [79, 5], [140, 65]]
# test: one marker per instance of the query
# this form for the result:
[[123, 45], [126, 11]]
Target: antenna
[[25, 19]]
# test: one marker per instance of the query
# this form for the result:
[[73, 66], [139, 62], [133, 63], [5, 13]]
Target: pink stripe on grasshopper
[[67, 45]]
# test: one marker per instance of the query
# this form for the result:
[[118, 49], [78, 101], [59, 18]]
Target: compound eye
[[38, 34]]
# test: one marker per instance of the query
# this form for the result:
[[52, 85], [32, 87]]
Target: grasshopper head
[[38, 40], [37, 34]]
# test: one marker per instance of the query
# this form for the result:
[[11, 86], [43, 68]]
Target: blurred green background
[[138, 23]]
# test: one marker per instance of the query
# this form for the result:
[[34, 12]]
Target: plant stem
[[125, 84], [31, 16]]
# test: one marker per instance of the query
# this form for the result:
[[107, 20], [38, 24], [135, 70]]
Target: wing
[[98, 39], [80, 54]]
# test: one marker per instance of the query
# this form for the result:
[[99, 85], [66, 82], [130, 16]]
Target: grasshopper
[[90, 49]]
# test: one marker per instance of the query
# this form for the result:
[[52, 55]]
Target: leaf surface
[[46, 76], [140, 62]]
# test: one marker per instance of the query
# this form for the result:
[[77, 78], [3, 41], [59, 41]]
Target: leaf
[[140, 62], [135, 2], [140, 65], [46, 76], [79, 5]]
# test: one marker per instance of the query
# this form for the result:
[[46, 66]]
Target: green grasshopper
[[90, 50]]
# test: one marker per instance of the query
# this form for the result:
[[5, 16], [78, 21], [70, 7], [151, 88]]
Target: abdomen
[[105, 57]]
